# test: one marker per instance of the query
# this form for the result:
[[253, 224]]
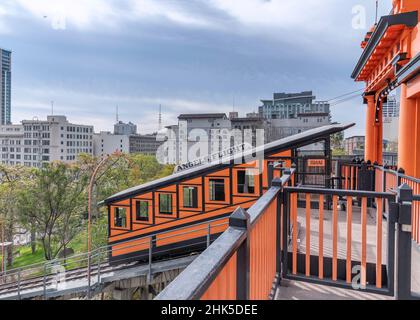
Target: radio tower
[[160, 118]]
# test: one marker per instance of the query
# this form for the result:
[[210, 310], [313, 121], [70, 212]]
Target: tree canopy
[[51, 203]]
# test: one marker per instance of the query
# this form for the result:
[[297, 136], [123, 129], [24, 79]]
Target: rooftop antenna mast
[[376, 14], [116, 114], [52, 108], [160, 118]]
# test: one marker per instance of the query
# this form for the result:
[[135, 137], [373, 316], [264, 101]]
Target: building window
[[217, 190], [190, 196], [142, 210], [120, 217], [165, 203], [246, 181]]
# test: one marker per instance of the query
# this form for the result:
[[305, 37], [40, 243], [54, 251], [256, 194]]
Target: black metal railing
[[234, 256], [248, 253], [49, 276]]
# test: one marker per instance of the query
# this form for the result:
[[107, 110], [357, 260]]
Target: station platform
[[297, 290]]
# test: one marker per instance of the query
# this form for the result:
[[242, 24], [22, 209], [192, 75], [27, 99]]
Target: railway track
[[40, 277], [70, 275], [44, 283]]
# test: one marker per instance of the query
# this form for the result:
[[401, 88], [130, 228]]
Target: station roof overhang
[[291, 142], [410, 70], [386, 32]]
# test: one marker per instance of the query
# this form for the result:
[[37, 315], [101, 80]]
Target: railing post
[[149, 275], [285, 232], [362, 180], [99, 266], [45, 281], [19, 284], [270, 173], [383, 189], [277, 183], [400, 172], [328, 164], [375, 164], [208, 234], [403, 254], [88, 276], [392, 220], [363, 177], [354, 171], [383, 179], [294, 166], [240, 219]]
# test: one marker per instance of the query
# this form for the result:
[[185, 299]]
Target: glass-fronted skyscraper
[[5, 86]]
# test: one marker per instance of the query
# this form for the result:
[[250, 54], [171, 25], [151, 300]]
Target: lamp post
[[90, 191], [2, 247]]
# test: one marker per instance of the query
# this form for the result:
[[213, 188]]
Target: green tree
[[337, 140], [13, 179], [56, 202], [119, 172], [51, 202]]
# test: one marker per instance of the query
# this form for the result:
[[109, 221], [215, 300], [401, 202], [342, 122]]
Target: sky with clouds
[[88, 56]]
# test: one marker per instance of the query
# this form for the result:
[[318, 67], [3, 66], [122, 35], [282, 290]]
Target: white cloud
[[171, 11], [293, 15], [142, 110], [251, 15], [94, 14], [5, 11], [80, 13]]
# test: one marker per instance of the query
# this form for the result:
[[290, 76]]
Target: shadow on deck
[[297, 290]]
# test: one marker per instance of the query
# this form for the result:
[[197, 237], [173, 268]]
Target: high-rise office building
[[391, 113], [125, 139], [121, 128], [391, 108], [35, 142], [292, 105], [5, 86], [54, 139]]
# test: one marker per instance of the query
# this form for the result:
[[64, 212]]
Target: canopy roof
[[388, 30]]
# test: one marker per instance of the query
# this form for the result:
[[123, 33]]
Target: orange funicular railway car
[[181, 213]]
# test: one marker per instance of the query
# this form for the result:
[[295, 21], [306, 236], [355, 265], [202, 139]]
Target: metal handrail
[[98, 252], [338, 192], [10, 271]]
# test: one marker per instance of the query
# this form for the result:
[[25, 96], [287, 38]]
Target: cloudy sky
[[88, 56]]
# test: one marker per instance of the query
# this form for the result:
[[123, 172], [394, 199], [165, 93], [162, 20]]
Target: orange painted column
[[407, 151], [417, 146], [370, 132]]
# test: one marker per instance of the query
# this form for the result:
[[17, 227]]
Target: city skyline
[[207, 56]]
